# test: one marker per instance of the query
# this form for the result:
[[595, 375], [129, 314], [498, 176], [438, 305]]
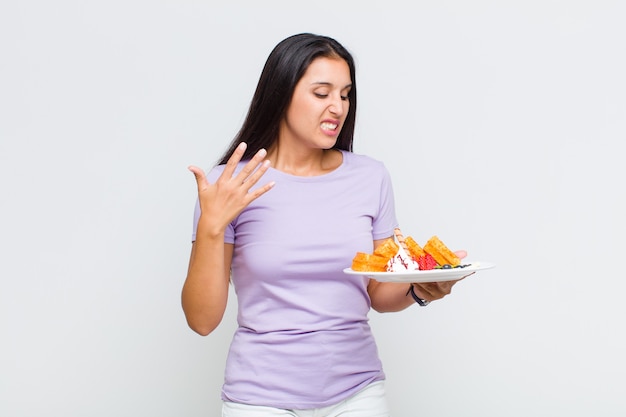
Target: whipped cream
[[402, 261]]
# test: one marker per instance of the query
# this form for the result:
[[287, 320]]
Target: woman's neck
[[304, 162]]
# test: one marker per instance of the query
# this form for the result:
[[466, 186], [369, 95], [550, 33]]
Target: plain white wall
[[499, 121]]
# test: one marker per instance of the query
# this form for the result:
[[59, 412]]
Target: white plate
[[432, 275]]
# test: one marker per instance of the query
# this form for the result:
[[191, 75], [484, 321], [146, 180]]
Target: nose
[[336, 105]]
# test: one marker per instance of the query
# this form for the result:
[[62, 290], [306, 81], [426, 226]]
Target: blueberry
[[446, 266]]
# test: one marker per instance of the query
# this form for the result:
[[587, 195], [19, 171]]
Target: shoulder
[[357, 161]]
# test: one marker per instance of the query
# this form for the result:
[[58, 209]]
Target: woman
[[286, 231]]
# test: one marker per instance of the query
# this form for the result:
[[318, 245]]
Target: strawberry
[[426, 262]]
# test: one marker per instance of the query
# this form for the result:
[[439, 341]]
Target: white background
[[500, 122]]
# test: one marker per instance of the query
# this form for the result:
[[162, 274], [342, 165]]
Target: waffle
[[387, 249], [367, 262], [413, 248], [438, 250]]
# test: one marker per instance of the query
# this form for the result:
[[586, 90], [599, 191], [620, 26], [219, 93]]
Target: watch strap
[[418, 300]]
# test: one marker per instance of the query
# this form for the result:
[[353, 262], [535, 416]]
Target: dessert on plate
[[406, 255]]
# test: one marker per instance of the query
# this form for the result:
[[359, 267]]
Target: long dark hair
[[284, 67]]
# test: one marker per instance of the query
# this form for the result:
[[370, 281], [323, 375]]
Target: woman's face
[[319, 105]]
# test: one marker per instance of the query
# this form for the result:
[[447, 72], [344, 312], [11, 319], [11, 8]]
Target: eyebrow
[[330, 84]]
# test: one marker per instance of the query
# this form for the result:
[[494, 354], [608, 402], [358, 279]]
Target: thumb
[[198, 173], [460, 253]]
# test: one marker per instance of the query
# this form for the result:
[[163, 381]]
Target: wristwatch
[[418, 300]]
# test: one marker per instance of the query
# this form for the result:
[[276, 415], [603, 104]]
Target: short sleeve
[[386, 221]]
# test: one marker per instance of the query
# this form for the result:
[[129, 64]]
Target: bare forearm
[[389, 297], [205, 291]]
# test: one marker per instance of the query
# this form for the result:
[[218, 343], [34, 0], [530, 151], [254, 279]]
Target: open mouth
[[329, 126]]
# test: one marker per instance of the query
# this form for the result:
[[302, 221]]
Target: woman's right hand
[[223, 200]]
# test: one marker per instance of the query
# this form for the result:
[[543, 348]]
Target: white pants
[[369, 402]]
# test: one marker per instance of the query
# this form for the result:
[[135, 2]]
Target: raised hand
[[223, 200]]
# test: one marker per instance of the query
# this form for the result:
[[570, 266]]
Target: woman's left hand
[[431, 291]]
